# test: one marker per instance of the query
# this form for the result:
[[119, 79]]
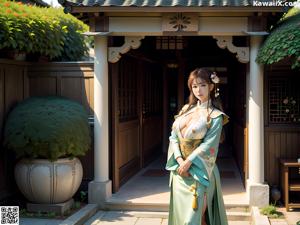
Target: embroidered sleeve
[[175, 144], [207, 151]]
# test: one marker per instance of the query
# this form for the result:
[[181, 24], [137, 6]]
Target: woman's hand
[[184, 166]]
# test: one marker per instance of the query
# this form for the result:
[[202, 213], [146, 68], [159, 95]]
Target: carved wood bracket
[[242, 53], [114, 53]]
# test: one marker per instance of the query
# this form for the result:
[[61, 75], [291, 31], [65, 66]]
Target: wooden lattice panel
[[284, 99], [127, 90], [170, 43], [152, 104]]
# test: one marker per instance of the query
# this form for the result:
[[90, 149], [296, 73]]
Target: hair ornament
[[214, 78]]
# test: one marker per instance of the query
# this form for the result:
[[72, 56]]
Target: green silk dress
[[199, 144]]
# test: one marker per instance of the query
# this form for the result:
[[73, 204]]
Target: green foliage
[[283, 42], [47, 127], [42, 215], [77, 205], [271, 212], [291, 12], [45, 31], [83, 196]]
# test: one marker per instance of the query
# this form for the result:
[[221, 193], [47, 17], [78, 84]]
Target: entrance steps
[[152, 218], [91, 215], [235, 212]]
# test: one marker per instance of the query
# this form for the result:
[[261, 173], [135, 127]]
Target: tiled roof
[[159, 3]]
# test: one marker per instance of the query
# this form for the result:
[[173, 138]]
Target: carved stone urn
[[45, 182]]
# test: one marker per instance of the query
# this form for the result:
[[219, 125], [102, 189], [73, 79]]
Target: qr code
[[9, 215]]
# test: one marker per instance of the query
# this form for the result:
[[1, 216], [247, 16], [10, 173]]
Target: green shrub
[[47, 127], [283, 42], [45, 31]]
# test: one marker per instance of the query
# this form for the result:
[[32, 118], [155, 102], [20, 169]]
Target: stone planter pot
[[45, 182]]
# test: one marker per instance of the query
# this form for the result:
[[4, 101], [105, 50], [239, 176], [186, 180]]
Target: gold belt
[[187, 146]]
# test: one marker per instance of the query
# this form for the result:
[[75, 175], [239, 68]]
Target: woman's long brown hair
[[204, 74]]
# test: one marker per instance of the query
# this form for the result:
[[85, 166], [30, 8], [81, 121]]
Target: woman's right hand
[[183, 174]]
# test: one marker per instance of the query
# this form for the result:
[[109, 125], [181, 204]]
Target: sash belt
[[187, 146]]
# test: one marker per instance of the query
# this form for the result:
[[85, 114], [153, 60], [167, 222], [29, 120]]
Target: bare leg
[[203, 211]]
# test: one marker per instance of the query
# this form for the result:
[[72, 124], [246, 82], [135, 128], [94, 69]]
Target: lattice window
[[166, 42], [284, 100], [152, 91], [127, 90]]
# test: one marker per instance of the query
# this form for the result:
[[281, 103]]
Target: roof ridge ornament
[[114, 53], [242, 53]]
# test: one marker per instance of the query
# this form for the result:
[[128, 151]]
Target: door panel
[[136, 98], [125, 121], [151, 113]]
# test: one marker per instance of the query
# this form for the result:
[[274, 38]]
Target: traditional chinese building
[[144, 51]]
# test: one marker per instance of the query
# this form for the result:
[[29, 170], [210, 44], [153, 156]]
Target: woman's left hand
[[184, 167]]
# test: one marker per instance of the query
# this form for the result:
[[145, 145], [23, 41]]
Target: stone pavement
[[292, 217], [34, 221], [136, 218], [118, 218]]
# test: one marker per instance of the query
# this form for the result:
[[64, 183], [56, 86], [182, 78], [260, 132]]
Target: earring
[[217, 93]]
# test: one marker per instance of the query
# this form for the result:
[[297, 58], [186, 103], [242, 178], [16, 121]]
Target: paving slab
[[117, 218], [95, 219], [34, 221], [278, 222], [149, 221], [164, 222], [292, 216], [239, 223]]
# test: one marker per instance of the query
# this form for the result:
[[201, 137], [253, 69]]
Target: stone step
[[81, 216], [238, 216], [239, 222], [138, 218], [121, 205], [237, 207], [241, 213], [115, 204]]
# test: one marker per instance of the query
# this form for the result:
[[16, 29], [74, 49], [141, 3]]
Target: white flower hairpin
[[215, 79]]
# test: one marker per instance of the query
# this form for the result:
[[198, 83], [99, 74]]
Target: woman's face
[[201, 89]]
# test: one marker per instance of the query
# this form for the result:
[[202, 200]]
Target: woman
[[196, 196]]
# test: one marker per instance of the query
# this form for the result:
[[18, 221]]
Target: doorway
[[148, 87]]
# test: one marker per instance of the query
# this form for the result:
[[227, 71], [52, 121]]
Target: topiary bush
[[48, 127], [283, 42]]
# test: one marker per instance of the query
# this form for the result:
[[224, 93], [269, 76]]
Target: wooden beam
[[152, 26], [98, 22], [257, 23]]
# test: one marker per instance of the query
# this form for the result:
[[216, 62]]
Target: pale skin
[[201, 90]]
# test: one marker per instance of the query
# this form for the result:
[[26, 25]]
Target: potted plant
[[47, 133]]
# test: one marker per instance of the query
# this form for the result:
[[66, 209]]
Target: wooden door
[[136, 109], [125, 138], [151, 115]]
